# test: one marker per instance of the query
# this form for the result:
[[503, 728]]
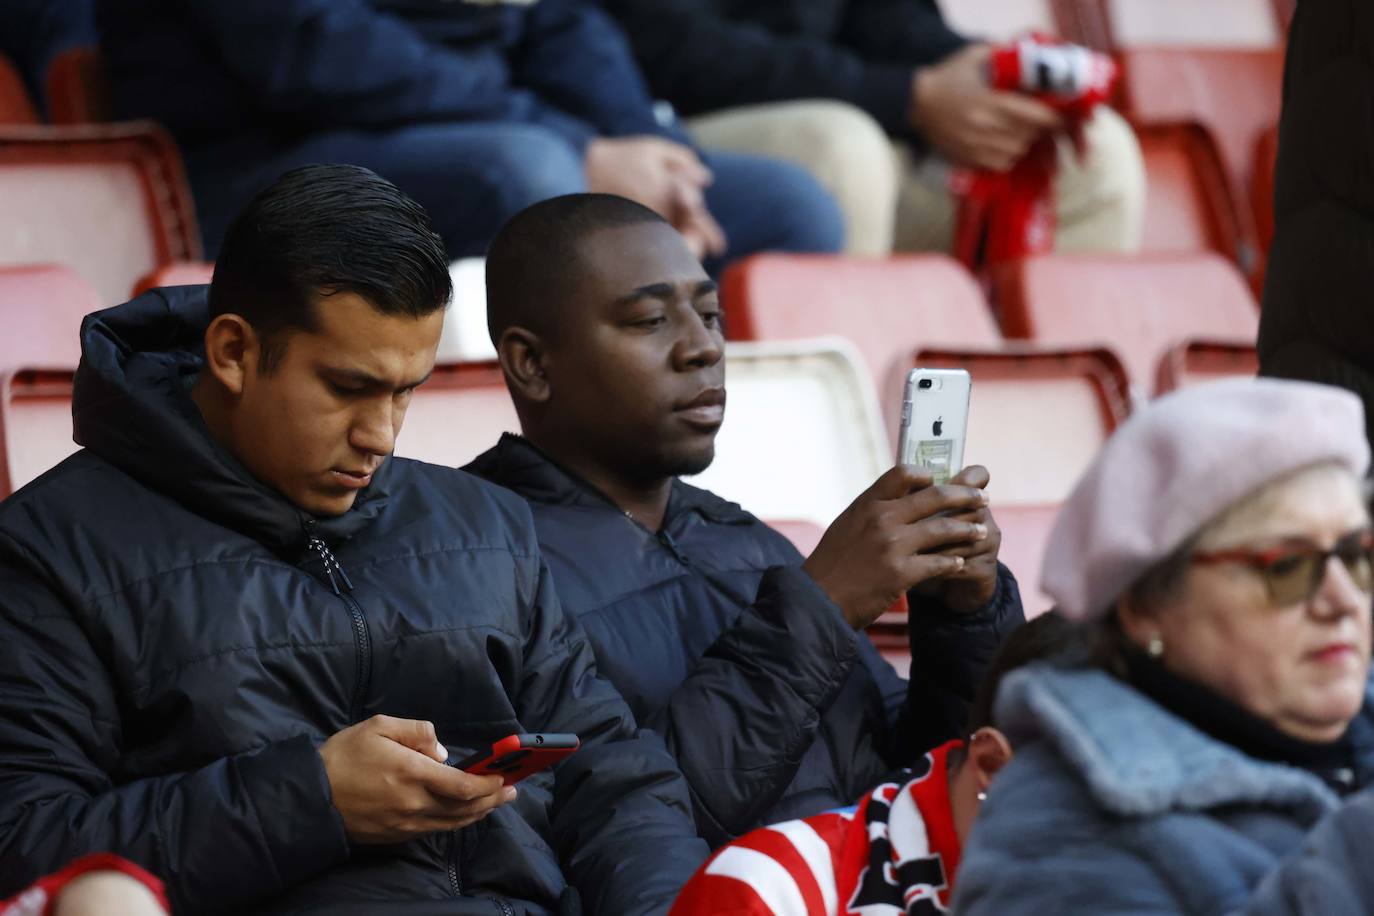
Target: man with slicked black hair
[[748, 659], [239, 641]]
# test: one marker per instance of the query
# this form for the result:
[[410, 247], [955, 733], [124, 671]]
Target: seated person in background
[[899, 849], [94, 885], [238, 641], [1219, 549], [748, 660], [834, 84], [475, 109]]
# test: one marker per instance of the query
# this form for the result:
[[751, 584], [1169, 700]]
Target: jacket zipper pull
[[331, 564], [666, 540]]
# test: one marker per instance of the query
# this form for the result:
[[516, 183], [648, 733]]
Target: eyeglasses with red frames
[[1294, 573]]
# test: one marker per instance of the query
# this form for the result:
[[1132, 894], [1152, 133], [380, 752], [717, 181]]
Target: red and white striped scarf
[[895, 854]]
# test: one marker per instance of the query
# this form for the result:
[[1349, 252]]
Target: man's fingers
[[416, 734], [1026, 112], [931, 566], [899, 481], [457, 785], [950, 498], [934, 533], [975, 475]]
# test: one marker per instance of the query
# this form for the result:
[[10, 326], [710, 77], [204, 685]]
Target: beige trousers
[[891, 199]]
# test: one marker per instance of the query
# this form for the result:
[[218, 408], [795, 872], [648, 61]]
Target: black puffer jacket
[[171, 658], [774, 706], [1317, 323]]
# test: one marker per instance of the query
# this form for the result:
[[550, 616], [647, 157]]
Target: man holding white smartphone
[[744, 656]]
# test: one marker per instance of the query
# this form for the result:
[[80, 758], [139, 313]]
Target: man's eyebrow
[[368, 380], [706, 288], [651, 291]]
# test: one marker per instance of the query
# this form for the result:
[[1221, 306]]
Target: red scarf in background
[[1008, 215], [895, 854]]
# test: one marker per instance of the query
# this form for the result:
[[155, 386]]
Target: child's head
[[987, 750]]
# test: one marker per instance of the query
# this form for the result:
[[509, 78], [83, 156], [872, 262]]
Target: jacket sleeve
[[702, 61], [577, 58], [742, 720], [949, 653], [341, 63], [1330, 873], [216, 835], [621, 816]]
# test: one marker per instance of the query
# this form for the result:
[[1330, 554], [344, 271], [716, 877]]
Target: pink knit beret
[[1179, 463]]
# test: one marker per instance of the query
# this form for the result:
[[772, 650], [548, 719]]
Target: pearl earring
[[1156, 646], [982, 796]]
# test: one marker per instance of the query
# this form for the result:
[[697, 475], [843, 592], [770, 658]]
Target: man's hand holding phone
[[390, 783], [899, 533], [971, 588]]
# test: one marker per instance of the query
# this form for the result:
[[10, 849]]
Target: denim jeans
[[472, 177]]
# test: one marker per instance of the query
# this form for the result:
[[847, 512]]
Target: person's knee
[[534, 164], [841, 143], [1114, 165]]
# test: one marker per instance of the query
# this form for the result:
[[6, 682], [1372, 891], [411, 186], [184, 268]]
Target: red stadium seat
[[1037, 416], [1233, 93], [181, 273], [78, 92], [15, 105], [1209, 23], [888, 308], [804, 535], [41, 310], [35, 424], [108, 201], [1189, 206], [1262, 186], [458, 414], [1197, 361], [1140, 307]]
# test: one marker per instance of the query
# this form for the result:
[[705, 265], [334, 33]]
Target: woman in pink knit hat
[[1212, 754]]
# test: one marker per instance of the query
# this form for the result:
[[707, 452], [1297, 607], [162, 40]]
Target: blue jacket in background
[[773, 705], [1113, 805], [213, 69]]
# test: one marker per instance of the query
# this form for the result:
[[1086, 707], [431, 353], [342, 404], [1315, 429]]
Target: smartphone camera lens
[[538, 739], [923, 383]]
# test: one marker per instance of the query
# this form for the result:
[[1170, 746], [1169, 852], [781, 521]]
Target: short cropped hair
[[321, 230], [1048, 637], [534, 257]]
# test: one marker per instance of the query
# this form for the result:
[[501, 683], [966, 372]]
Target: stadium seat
[[998, 20], [15, 105], [1189, 204], [41, 309], [802, 434], [458, 414], [1037, 416], [804, 535], [179, 273], [78, 92], [1196, 361], [109, 201], [1179, 23], [1262, 186], [1233, 93], [465, 338], [35, 424], [888, 308], [1138, 306]]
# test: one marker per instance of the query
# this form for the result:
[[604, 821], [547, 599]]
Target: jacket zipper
[[667, 541], [452, 857], [362, 638]]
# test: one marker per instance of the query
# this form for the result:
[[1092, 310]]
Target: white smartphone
[[935, 421]]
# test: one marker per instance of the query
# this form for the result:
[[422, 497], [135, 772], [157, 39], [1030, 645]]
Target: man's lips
[[352, 479], [706, 409]]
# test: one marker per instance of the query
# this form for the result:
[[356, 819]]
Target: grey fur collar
[[1137, 759]]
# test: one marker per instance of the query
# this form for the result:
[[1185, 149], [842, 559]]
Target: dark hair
[[535, 256], [1047, 637], [321, 230]]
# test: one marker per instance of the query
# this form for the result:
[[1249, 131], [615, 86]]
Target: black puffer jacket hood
[[171, 658]]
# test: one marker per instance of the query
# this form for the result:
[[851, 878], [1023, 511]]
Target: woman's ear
[[987, 751], [1139, 625], [232, 351], [522, 360]]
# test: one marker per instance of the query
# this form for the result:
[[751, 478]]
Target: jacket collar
[[131, 406], [1138, 760], [518, 464]]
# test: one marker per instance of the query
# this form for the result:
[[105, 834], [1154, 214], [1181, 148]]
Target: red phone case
[[517, 756]]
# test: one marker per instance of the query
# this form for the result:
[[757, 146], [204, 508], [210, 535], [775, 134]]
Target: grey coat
[[1114, 805]]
